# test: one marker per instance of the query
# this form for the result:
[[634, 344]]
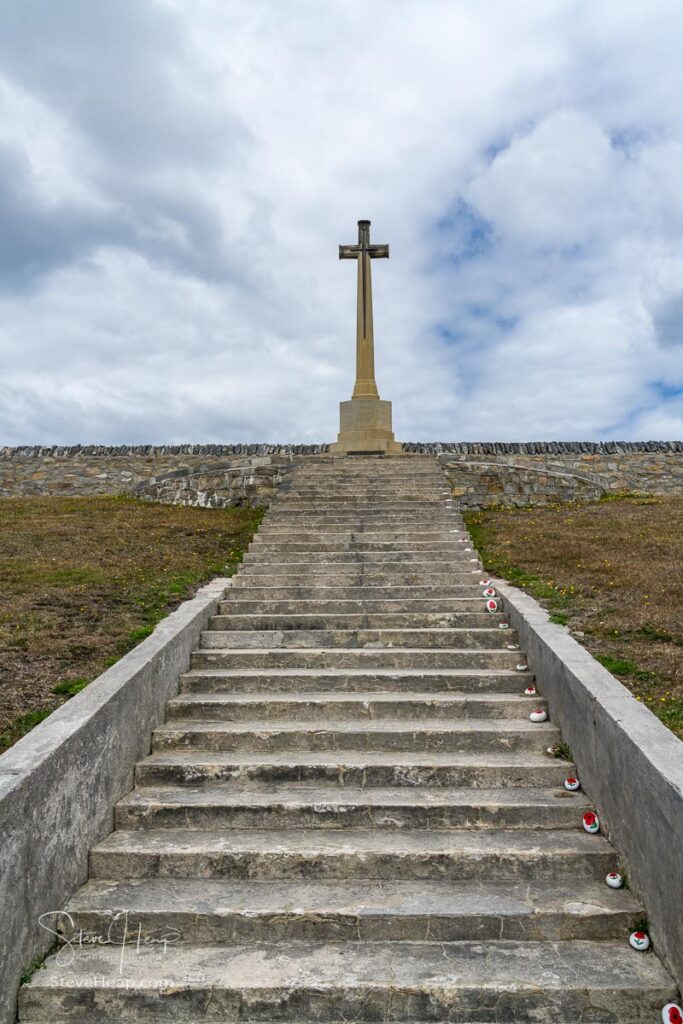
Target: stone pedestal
[[365, 426]]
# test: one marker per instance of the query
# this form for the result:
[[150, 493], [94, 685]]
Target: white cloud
[[175, 178]]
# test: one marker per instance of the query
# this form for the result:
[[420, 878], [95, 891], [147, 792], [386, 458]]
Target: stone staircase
[[348, 815]]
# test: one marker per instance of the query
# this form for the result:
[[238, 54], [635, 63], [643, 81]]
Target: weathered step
[[357, 542], [363, 518], [453, 554], [401, 569], [359, 981], [236, 619], [434, 639], [461, 607], [278, 807], [388, 681], [387, 734], [494, 769], [396, 854], [211, 910], [366, 658], [312, 589], [361, 505], [310, 525], [363, 706], [367, 532], [357, 549], [454, 584]]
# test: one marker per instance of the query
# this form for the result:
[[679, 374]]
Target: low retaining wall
[[59, 784], [205, 475], [481, 474], [629, 764]]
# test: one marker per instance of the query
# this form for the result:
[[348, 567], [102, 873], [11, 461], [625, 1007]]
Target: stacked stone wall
[[481, 474], [206, 475]]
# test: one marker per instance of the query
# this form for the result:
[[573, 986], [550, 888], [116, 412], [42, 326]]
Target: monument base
[[365, 427]]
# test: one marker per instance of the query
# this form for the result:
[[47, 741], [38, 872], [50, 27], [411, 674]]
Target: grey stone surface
[[481, 474], [376, 783], [507, 769], [59, 784], [515, 854], [219, 910], [379, 981], [629, 763]]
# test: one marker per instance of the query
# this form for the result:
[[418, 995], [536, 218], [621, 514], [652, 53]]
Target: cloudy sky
[[176, 176]]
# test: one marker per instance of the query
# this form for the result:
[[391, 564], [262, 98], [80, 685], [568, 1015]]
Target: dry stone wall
[[206, 475], [481, 474]]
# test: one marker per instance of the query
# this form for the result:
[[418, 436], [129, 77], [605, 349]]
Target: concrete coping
[[59, 783], [628, 762]]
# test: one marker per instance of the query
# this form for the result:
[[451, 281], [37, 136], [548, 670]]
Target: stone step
[[494, 769], [357, 981], [256, 588], [212, 911], [359, 706], [387, 854], [435, 639], [453, 554], [355, 521], [338, 681], [344, 543], [388, 734], [394, 498], [219, 806], [326, 620], [371, 532], [403, 514], [365, 658], [462, 608], [298, 563], [322, 576]]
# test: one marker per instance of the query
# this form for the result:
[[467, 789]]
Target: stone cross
[[365, 386]]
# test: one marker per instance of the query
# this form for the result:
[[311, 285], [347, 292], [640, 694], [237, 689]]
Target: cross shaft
[[363, 251]]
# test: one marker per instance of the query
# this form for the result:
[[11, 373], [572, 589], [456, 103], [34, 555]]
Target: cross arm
[[351, 252]]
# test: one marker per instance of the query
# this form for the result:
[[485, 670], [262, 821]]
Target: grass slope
[[83, 580], [611, 571]]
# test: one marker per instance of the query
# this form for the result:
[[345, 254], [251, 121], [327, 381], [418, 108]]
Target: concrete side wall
[[59, 784], [629, 764]]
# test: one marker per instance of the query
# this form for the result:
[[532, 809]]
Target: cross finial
[[351, 252]]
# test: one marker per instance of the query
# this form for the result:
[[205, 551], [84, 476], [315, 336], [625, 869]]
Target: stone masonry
[[481, 474], [348, 815]]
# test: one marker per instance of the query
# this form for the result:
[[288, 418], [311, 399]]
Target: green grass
[[562, 751], [84, 580], [559, 618], [624, 667], [608, 570], [18, 727], [70, 687]]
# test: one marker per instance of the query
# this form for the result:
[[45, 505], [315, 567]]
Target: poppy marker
[[591, 823], [672, 1014], [614, 880], [539, 715], [639, 941], [571, 784]]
